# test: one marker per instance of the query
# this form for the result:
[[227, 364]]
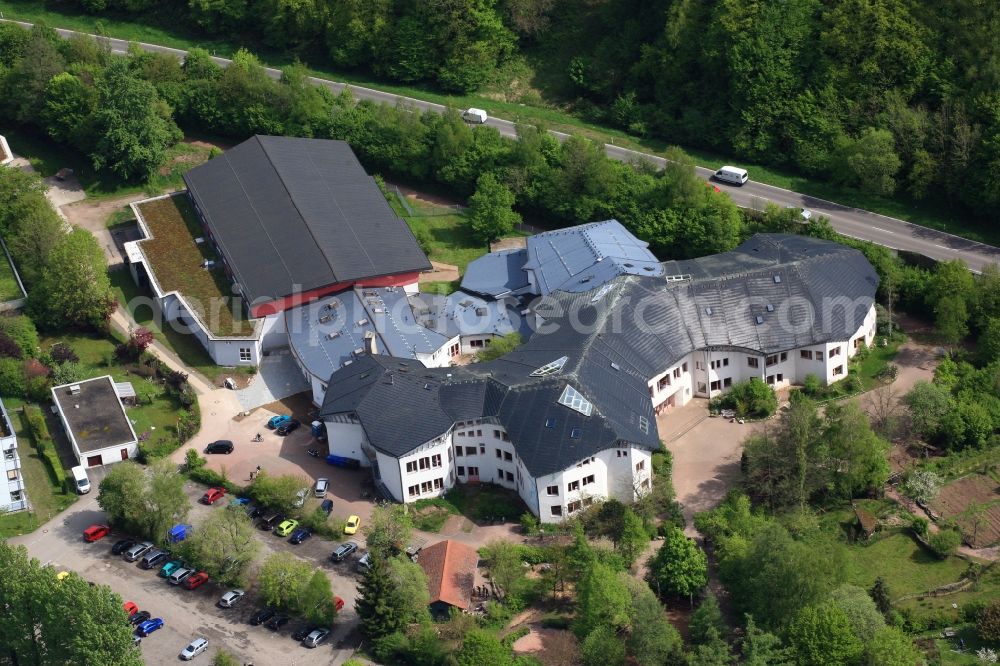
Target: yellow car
[[285, 528], [353, 523]]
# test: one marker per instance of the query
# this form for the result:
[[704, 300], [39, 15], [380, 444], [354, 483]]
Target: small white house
[[95, 420]]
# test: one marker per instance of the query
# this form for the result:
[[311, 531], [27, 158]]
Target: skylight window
[[777, 279], [576, 433], [550, 423], [769, 307], [644, 424], [571, 398], [615, 366], [551, 368], [759, 320], [708, 311]]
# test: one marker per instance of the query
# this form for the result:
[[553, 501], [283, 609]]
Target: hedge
[[44, 445]]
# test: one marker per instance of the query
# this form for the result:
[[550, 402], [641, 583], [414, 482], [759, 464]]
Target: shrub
[[22, 330], [751, 398], [9, 348], [161, 448], [210, 477], [988, 622], [67, 373], [529, 524], [44, 445], [12, 381], [193, 461], [63, 353], [811, 385], [919, 526], [944, 542]]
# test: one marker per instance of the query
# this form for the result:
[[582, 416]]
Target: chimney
[[370, 345]]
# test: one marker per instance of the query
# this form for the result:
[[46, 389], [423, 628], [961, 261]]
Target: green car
[[169, 568], [285, 528]]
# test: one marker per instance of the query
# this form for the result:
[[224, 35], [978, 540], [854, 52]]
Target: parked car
[[300, 498], [353, 523], [253, 511], [316, 637], [121, 546], [154, 558], [95, 532], [230, 598], [303, 630], [286, 527], [344, 550], [195, 581], [288, 426], [275, 421], [137, 551], [168, 569], [139, 618], [262, 616], [149, 626], [322, 485], [365, 563], [327, 506], [300, 535], [179, 576], [196, 647], [270, 520], [239, 501], [212, 495], [277, 622], [130, 608], [220, 446], [338, 604]]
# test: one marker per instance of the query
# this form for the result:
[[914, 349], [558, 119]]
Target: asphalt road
[[853, 222]]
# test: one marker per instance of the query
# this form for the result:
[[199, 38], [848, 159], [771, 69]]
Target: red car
[[212, 495], [130, 608], [338, 603], [95, 532], [196, 581]]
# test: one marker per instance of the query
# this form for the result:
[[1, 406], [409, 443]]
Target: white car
[[300, 498], [196, 647], [805, 214], [230, 598], [322, 485]]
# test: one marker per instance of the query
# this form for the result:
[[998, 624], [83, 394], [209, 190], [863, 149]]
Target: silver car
[[230, 598], [137, 551], [196, 647], [322, 485], [315, 637]]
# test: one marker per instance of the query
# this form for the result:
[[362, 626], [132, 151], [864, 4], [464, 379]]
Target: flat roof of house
[[178, 264], [96, 417], [451, 572], [294, 214]]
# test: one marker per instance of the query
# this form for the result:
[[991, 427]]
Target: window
[[770, 379], [725, 362], [771, 360], [684, 367], [458, 451], [835, 352], [413, 491], [507, 456], [645, 484], [436, 460], [573, 506], [438, 484], [8, 454], [839, 370], [470, 450], [677, 373], [860, 341], [781, 377], [589, 479], [698, 365], [245, 356], [482, 449], [641, 465], [556, 509], [819, 356], [496, 434], [426, 487], [12, 475], [449, 455], [510, 477], [475, 343], [753, 362], [571, 398], [411, 467], [461, 471], [499, 453], [552, 490], [727, 382], [622, 453], [784, 356], [716, 385], [473, 471], [573, 486], [425, 463], [806, 354], [550, 368], [15, 496], [479, 433]]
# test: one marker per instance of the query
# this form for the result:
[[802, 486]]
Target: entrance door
[[93, 461], [124, 454]]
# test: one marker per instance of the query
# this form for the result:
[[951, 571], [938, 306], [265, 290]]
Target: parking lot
[[191, 613]]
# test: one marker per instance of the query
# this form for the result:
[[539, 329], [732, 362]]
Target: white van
[[732, 175], [477, 116], [80, 480]]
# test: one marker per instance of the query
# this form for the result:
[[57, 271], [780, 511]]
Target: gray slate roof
[[580, 258], [292, 213], [401, 404]]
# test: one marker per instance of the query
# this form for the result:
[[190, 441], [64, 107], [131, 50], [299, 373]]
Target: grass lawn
[[449, 239], [9, 288], [934, 215], [443, 288], [987, 590], [177, 261], [876, 360], [46, 499]]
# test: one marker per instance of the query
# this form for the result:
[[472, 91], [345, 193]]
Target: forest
[[888, 96]]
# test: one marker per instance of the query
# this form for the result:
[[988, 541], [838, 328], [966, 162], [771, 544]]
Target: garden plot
[[973, 502]]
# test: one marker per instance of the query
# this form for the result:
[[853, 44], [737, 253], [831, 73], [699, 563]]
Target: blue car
[[276, 421], [239, 501], [149, 626], [327, 506], [300, 535]]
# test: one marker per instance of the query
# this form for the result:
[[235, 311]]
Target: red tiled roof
[[451, 572]]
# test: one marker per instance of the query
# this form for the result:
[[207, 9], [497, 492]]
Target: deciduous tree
[[491, 213], [73, 289], [679, 567], [282, 581], [822, 635], [223, 545]]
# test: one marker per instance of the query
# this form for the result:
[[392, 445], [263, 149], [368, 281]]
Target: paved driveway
[[278, 377]]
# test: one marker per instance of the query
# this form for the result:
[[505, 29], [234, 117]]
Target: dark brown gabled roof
[[451, 572]]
